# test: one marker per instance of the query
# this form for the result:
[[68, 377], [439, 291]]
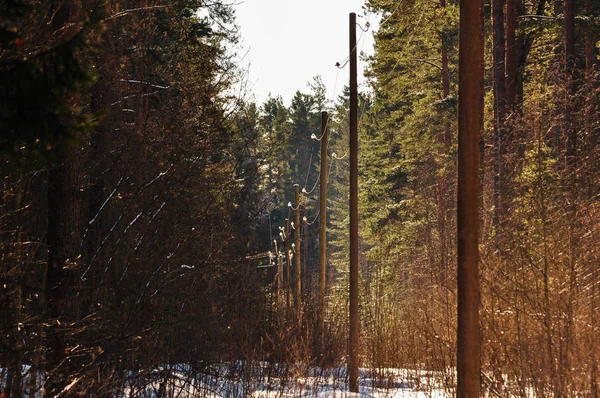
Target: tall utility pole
[[323, 221], [298, 266], [470, 88], [353, 341], [288, 266]]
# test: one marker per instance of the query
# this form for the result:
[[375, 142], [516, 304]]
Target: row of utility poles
[[289, 253], [470, 122], [353, 345]]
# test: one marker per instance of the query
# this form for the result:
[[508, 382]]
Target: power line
[[342, 65]]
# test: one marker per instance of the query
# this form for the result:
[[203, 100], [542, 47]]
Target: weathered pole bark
[[470, 89], [288, 267], [298, 228], [354, 325], [323, 221]]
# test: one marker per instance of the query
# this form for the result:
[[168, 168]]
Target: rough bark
[[469, 125]]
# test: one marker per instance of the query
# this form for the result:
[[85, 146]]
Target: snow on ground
[[25, 374], [261, 380], [235, 380]]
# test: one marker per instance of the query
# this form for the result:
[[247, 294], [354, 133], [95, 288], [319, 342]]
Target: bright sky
[[291, 41]]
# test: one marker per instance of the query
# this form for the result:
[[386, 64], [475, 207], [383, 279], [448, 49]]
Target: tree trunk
[[445, 142], [589, 128], [499, 108], [524, 42], [62, 224], [62, 227], [511, 54], [589, 45], [571, 175], [570, 76], [17, 344]]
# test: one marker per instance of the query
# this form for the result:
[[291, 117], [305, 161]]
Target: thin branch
[[144, 83], [534, 16], [125, 12], [424, 61]]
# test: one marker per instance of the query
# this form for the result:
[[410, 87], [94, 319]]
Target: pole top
[[296, 185]]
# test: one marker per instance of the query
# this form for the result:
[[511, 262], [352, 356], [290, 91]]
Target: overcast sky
[[290, 41]]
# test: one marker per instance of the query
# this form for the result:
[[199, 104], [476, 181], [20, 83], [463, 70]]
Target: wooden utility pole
[[323, 221], [279, 272], [353, 340], [305, 246], [470, 87], [288, 267], [298, 262]]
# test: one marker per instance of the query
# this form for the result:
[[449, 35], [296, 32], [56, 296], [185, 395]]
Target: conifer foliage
[[122, 252]]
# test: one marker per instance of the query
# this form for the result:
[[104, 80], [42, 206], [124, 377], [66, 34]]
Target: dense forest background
[[144, 200]]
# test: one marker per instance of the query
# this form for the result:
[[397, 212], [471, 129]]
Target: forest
[[163, 234]]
